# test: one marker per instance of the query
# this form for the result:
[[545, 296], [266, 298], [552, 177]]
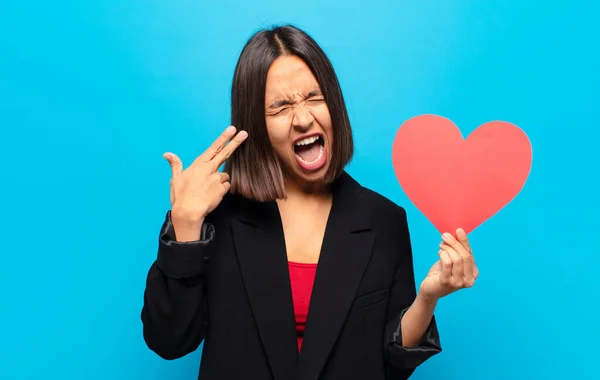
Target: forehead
[[289, 76]]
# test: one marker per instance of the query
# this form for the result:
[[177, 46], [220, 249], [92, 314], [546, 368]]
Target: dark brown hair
[[254, 169]]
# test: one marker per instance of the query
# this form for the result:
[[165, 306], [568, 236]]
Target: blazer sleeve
[[406, 359], [174, 314]]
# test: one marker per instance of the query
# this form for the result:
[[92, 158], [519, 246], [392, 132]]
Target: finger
[[475, 271], [455, 244], [224, 177], [466, 258], [226, 187], [171, 192], [175, 163], [224, 154], [446, 266], [216, 146], [463, 239], [457, 265]]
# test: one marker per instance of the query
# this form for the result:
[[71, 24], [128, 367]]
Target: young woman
[[283, 265]]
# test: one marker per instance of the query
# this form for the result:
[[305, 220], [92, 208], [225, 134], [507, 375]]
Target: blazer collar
[[347, 201], [260, 246]]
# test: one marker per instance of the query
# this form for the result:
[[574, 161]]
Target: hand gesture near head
[[198, 190]]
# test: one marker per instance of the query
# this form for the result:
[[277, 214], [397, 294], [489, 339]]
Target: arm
[[174, 314], [416, 321], [411, 335]]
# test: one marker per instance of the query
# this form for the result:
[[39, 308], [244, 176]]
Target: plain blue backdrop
[[93, 92]]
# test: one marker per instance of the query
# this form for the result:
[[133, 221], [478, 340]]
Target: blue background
[[93, 92]]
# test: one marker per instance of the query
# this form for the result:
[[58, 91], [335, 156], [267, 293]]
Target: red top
[[302, 277]]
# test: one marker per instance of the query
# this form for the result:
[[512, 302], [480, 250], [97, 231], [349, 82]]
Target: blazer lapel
[[345, 253], [260, 247]]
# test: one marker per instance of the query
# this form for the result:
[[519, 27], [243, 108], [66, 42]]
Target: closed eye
[[279, 112], [281, 106]]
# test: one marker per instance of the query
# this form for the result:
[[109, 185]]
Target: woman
[[283, 265]]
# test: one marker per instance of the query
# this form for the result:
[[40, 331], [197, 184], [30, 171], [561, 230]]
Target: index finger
[[230, 148], [217, 145], [456, 244]]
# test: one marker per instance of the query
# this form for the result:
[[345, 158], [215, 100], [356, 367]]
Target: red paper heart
[[456, 182]]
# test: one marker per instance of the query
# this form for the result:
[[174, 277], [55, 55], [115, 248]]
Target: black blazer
[[231, 290]]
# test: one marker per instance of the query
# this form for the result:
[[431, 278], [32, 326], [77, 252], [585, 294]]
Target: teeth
[[308, 140], [317, 159]]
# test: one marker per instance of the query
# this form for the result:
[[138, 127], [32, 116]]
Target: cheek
[[278, 133], [323, 117]]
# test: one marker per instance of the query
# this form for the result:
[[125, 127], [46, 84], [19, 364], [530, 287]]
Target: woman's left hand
[[455, 270]]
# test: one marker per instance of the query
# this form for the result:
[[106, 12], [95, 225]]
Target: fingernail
[[243, 134], [447, 235], [231, 129]]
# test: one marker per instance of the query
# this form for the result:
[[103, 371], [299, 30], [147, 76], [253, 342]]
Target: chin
[[314, 177], [309, 176]]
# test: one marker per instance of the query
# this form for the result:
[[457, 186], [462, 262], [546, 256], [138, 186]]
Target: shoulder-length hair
[[254, 170]]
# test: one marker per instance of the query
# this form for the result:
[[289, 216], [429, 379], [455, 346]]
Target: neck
[[295, 189]]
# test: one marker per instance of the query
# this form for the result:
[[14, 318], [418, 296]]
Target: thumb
[[175, 163]]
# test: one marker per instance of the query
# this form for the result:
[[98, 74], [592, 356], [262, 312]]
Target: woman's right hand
[[198, 190]]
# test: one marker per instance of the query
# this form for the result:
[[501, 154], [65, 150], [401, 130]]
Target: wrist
[[187, 228], [426, 300], [186, 218], [187, 233]]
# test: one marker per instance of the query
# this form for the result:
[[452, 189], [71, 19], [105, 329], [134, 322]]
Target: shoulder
[[387, 218], [383, 211], [382, 208], [380, 202]]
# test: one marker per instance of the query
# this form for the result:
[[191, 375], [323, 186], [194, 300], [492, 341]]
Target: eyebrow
[[285, 102]]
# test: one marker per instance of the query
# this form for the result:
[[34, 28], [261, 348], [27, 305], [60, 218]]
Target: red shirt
[[302, 277]]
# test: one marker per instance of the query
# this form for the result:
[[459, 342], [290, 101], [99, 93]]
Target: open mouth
[[309, 151]]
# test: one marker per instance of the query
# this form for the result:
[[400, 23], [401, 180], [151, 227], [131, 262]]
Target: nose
[[303, 118]]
